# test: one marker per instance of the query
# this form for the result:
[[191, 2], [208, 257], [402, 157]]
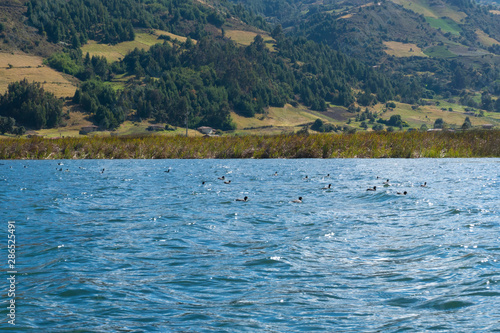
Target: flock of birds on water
[[299, 200], [245, 199], [329, 187]]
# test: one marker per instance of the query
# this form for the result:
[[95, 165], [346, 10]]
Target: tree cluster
[[29, 105], [320, 126], [394, 121], [203, 82], [100, 100], [112, 21], [7, 126]]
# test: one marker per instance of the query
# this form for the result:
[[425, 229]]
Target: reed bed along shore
[[359, 145]]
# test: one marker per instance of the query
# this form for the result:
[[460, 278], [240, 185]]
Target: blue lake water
[[134, 248]]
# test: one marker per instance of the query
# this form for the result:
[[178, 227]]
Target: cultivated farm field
[[15, 67], [398, 49], [143, 40]]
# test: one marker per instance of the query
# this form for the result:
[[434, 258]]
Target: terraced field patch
[[429, 113], [446, 25], [276, 120], [16, 67], [439, 51], [418, 7], [398, 49], [143, 40], [485, 39], [247, 37], [426, 8]]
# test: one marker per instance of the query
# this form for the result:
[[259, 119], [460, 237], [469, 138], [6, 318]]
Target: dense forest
[[76, 21], [208, 79], [73, 22]]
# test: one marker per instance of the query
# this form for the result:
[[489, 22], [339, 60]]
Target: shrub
[[439, 123], [62, 62], [467, 124]]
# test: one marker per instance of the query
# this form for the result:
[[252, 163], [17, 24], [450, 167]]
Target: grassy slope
[[428, 114], [73, 125], [432, 9], [398, 49], [446, 25], [446, 19], [485, 39], [31, 68], [19, 37], [78, 120], [246, 37], [143, 40], [419, 7], [439, 51], [292, 119], [277, 120]]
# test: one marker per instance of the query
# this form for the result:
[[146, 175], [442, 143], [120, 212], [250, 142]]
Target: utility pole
[[184, 106], [187, 115]]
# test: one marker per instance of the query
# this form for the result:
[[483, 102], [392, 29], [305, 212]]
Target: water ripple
[[136, 249]]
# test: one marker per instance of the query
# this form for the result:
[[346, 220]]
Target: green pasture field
[[446, 25]]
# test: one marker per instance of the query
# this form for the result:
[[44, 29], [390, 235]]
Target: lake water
[[123, 245]]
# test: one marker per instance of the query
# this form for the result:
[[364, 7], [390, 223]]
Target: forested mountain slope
[[317, 55]]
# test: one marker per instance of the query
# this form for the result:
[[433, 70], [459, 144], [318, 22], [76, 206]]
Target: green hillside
[[236, 65]]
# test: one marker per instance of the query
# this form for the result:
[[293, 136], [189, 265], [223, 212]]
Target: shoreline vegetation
[[358, 145]]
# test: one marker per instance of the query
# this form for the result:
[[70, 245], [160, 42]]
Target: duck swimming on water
[[244, 199], [299, 200], [372, 189]]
